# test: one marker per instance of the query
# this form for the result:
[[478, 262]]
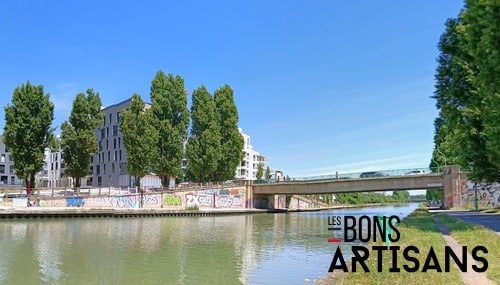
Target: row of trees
[[467, 130], [153, 137]]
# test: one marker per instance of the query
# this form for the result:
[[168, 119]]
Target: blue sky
[[321, 86]]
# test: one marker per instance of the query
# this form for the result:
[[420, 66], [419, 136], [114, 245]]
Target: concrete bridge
[[451, 181]]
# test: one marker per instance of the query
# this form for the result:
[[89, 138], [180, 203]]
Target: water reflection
[[242, 249]]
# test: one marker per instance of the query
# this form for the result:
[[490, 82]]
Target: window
[[2, 169], [109, 155], [107, 131], [119, 142], [120, 154], [114, 143], [118, 118], [100, 145], [102, 133], [11, 169], [112, 167], [98, 169], [115, 130], [104, 170], [2, 158], [110, 119], [116, 156]]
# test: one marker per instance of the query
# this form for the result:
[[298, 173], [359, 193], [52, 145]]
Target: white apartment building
[[247, 170]]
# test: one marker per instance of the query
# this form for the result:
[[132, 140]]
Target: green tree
[[481, 35], [77, 138], [260, 171], [435, 194], [461, 127], [171, 119], [231, 143], [139, 138], [202, 150], [27, 130], [268, 173], [401, 196]]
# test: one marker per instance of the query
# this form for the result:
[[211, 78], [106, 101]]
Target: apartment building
[[7, 173], [247, 170], [109, 165]]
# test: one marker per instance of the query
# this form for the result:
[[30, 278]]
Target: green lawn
[[474, 235]]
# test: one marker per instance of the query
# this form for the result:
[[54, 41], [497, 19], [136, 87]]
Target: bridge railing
[[357, 175]]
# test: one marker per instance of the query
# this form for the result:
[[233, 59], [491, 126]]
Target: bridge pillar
[[249, 194], [452, 187]]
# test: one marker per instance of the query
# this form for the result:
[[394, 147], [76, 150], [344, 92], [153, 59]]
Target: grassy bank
[[417, 230], [472, 235]]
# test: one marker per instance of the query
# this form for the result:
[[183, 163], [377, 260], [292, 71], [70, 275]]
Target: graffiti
[[124, 202], [225, 201], [237, 201], [488, 194], [172, 200], [199, 200], [223, 192], [151, 199]]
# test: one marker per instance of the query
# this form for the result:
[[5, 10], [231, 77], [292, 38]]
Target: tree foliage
[[468, 127], [231, 141], [203, 148], [27, 130], [77, 138], [139, 138], [171, 119], [260, 171]]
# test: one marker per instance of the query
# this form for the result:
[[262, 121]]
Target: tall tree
[[171, 119], [467, 129], [27, 130], [481, 29], [231, 142], [203, 151], [77, 138], [139, 138]]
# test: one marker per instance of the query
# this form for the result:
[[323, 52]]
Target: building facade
[[247, 170], [109, 165], [7, 173]]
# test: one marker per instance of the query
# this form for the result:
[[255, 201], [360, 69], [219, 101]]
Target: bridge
[[450, 180]]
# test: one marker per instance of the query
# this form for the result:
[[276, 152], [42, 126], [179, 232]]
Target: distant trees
[[27, 130], [171, 119], [203, 148], [77, 138], [467, 130], [139, 138]]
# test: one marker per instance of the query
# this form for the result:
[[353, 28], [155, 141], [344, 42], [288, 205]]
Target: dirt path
[[470, 277]]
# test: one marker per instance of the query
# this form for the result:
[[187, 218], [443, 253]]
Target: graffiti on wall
[[488, 194], [219, 198], [171, 200]]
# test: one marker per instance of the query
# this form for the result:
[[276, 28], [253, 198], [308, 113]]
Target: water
[[242, 249]]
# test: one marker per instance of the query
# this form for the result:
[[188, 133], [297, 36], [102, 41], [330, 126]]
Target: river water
[[285, 248]]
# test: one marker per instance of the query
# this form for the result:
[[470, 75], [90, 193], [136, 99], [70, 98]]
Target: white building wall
[[247, 170]]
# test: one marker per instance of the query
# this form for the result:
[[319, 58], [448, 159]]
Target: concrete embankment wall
[[218, 198]]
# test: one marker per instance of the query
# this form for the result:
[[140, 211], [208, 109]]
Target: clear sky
[[320, 86]]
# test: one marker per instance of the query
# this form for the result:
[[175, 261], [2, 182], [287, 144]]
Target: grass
[[417, 230], [473, 235]]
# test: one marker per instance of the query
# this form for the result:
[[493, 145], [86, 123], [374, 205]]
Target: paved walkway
[[470, 277]]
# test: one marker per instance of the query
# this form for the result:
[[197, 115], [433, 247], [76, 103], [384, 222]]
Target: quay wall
[[215, 198]]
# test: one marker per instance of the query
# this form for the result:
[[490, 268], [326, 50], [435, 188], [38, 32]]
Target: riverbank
[[73, 212], [421, 231], [86, 212]]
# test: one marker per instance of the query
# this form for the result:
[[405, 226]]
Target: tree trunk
[[137, 189], [77, 185]]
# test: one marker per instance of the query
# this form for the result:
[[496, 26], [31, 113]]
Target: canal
[[285, 248]]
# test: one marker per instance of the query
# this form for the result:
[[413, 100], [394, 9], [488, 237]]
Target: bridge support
[[453, 187]]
